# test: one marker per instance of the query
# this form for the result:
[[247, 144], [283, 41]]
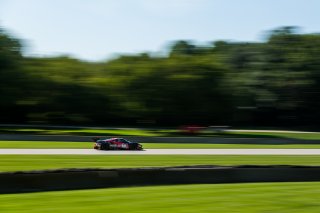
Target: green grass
[[39, 162], [158, 133], [45, 145], [92, 132], [227, 146], [292, 135], [239, 198], [89, 145]]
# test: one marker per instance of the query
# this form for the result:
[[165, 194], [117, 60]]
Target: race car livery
[[115, 144]]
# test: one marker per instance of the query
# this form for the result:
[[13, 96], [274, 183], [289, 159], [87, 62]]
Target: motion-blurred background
[[246, 63]]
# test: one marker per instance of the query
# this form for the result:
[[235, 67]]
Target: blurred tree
[[183, 48], [276, 82], [11, 78]]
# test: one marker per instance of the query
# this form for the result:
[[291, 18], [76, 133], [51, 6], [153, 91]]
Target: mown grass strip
[[161, 133], [292, 135], [40, 162], [89, 145], [240, 198], [45, 145], [92, 132]]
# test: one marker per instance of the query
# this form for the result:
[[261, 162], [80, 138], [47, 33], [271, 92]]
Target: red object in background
[[191, 129]]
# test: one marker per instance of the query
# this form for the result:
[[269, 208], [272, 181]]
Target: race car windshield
[[124, 141]]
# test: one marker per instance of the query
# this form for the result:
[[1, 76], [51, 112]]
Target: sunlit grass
[[304, 136], [240, 198], [113, 132], [45, 145], [89, 145], [228, 146], [161, 133], [39, 162]]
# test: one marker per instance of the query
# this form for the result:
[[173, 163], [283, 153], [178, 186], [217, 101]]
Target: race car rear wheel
[[134, 147]]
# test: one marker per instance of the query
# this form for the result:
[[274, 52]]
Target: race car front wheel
[[105, 146]]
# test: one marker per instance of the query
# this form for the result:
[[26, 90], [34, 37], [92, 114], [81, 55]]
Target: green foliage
[[276, 82], [12, 79]]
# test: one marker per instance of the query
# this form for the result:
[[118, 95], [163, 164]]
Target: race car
[[115, 144]]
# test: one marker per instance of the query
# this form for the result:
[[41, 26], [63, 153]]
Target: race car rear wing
[[95, 139]]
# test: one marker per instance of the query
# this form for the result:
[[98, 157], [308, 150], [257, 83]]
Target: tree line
[[275, 82]]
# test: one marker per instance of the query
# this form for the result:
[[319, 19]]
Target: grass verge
[[246, 198], [89, 145], [40, 162], [160, 133], [289, 135]]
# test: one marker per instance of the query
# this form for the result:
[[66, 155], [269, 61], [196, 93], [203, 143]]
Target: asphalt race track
[[161, 152]]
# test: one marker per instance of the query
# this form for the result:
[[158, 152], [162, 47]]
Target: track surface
[[161, 152]]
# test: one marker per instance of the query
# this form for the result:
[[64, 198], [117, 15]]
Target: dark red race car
[[115, 143]]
